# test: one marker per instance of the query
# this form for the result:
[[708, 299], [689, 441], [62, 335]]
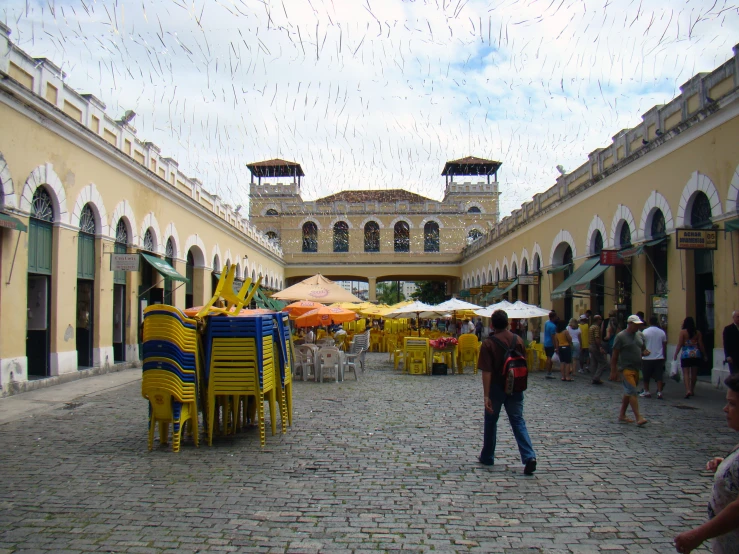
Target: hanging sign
[[696, 239], [124, 262], [488, 288], [505, 284], [611, 257], [528, 279], [475, 291]]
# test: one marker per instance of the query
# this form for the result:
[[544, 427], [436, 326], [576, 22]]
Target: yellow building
[[78, 187]]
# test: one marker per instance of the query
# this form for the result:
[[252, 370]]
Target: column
[[372, 281], [63, 304], [179, 289], [13, 304], [201, 286], [102, 326]]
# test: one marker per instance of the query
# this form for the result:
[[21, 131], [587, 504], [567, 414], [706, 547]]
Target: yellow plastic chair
[[469, 350], [416, 355], [170, 402], [375, 342]]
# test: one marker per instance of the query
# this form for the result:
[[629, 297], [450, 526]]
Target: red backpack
[[515, 370]]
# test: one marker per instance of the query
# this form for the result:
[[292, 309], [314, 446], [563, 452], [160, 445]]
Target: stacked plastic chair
[[416, 355], [240, 364], [283, 346], [170, 373], [469, 350]]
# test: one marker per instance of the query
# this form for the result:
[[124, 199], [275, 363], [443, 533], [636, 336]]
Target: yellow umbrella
[[402, 304], [317, 289], [374, 310]]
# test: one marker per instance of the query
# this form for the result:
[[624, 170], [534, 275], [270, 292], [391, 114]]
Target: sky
[[378, 94]]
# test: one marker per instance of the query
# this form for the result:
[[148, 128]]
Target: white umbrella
[[519, 310], [405, 312], [455, 305]]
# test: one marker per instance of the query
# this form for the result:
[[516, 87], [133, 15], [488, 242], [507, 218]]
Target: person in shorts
[[626, 358], [653, 365], [550, 329]]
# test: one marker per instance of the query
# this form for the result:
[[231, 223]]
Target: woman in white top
[[574, 331]]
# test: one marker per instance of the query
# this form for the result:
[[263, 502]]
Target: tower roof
[[275, 168], [389, 195], [471, 166]]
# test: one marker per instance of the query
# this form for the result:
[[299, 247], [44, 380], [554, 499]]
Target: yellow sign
[[488, 288], [696, 239], [475, 291], [528, 279]]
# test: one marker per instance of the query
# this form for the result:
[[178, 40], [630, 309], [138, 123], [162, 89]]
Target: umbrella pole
[[418, 323]]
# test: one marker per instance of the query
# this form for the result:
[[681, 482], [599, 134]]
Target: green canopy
[[558, 269], [576, 275], [508, 288], [732, 225], [493, 294], [10, 222], [583, 284], [166, 270]]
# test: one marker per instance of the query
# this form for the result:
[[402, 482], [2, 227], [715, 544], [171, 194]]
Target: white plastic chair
[[358, 349], [329, 357], [306, 360]]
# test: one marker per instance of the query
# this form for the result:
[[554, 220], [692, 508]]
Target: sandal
[[642, 422], [625, 420]]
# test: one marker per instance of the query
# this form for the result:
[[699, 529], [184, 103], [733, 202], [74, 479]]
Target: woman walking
[[576, 335], [692, 354], [563, 346]]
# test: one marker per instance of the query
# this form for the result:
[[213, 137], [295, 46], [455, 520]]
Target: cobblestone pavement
[[384, 464]]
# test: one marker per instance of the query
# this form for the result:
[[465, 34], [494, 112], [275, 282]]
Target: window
[[341, 237], [86, 244], [310, 237], [431, 237], [524, 267], [473, 235], [121, 233], [473, 210], [537, 263], [271, 212], [273, 237], [402, 237], [659, 226], [372, 237], [514, 271], [149, 245], [624, 236], [597, 245], [700, 212], [41, 206], [87, 220]]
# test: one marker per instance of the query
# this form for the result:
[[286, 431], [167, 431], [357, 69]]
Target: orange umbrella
[[296, 309], [325, 315]]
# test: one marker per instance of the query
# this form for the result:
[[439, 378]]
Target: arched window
[[190, 274], [700, 211], [401, 237], [149, 245], [537, 263], [597, 245], [473, 235], [271, 212], [490, 277], [431, 237], [169, 254], [87, 220], [310, 237], [624, 235], [514, 271], [658, 228], [341, 236], [524, 267], [86, 244], [372, 237], [473, 210], [121, 233], [497, 275], [42, 207], [505, 273]]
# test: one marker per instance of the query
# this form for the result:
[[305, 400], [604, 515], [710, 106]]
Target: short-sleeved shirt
[[594, 335], [575, 334], [491, 354], [629, 348], [725, 491], [584, 335], [654, 339], [550, 329]]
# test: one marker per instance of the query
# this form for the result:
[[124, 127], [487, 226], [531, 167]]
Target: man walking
[[598, 362], [653, 365], [479, 328], [550, 329], [490, 363], [628, 349], [731, 343]]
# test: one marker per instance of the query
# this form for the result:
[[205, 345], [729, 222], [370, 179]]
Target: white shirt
[[654, 338], [575, 334], [471, 327], [310, 337]]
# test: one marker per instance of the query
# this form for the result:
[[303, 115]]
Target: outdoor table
[[452, 349]]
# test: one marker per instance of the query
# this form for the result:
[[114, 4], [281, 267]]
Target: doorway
[[704, 308], [37, 326]]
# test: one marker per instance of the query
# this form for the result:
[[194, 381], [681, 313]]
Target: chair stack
[[240, 364], [416, 355], [469, 350], [283, 346], [170, 373]]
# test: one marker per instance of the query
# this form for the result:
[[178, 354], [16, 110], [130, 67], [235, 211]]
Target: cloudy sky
[[378, 94]]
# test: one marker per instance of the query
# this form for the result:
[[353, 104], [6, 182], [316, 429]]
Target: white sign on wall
[[124, 262]]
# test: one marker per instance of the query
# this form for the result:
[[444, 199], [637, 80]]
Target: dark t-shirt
[[492, 354]]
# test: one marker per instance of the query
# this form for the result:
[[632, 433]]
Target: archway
[[562, 261], [85, 287], [119, 293], [701, 213]]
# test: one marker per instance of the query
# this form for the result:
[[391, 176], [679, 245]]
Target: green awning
[[558, 269], [10, 222], [583, 284], [732, 225], [576, 275], [660, 240], [631, 251], [166, 270], [508, 288], [493, 294], [464, 293]]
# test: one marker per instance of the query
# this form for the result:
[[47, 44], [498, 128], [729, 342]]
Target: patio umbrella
[[455, 305], [407, 311], [296, 309], [519, 310], [317, 289], [325, 315]]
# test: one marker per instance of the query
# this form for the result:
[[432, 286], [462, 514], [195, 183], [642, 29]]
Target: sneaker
[[549, 376], [659, 396], [485, 462], [646, 394], [530, 467]]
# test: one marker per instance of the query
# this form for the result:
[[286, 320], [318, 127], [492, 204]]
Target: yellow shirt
[[584, 336]]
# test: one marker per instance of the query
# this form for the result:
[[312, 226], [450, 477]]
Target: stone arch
[[595, 225], [368, 219], [506, 268], [7, 190], [534, 251], [268, 207], [732, 200], [150, 222], [123, 210], [171, 231], [336, 220], [474, 226], [309, 220], [195, 244], [514, 260], [477, 205], [698, 182], [429, 219], [260, 271], [496, 273], [623, 214], [90, 195], [524, 258], [562, 236], [398, 220], [655, 202], [216, 251], [45, 175], [478, 278]]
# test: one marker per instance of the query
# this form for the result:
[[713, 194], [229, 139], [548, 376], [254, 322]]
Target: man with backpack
[[502, 362]]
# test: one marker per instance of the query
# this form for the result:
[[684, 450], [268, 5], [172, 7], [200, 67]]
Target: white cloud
[[377, 94]]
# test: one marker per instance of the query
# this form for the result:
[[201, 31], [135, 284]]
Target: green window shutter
[[168, 285], [40, 241], [119, 277], [85, 256], [188, 274]]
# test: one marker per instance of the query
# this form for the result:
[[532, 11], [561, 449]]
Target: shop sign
[[505, 284], [124, 262], [696, 239], [488, 288], [528, 279], [659, 305], [475, 291], [611, 257]]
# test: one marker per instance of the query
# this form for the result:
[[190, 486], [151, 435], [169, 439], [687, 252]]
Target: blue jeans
[[514, 408]]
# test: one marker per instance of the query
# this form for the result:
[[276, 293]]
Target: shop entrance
[[85, 287], [700, 217]]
